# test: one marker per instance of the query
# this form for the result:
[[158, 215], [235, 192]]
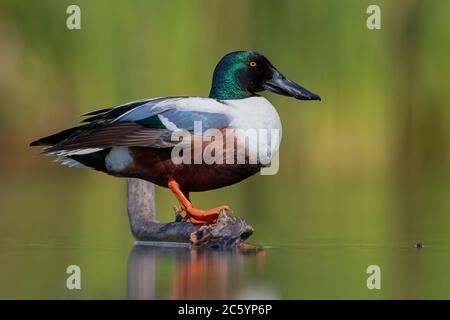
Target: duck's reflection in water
[[196, 274]]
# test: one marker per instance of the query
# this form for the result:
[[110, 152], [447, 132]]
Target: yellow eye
[[252, 64]]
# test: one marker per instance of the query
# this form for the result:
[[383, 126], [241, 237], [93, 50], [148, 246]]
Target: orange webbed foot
[[200, 217], [196, 216]]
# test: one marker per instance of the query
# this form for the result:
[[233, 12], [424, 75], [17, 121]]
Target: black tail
[[95, 160], [55, 138]]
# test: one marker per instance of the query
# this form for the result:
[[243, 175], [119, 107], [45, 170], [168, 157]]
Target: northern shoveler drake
[[136, 139]]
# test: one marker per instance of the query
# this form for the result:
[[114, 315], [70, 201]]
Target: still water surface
[[318, 238], [291, 272]]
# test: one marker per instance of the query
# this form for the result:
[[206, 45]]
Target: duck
[[136, 139]]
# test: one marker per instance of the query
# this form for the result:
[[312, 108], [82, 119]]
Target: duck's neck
[[227, 85], [228, 90]]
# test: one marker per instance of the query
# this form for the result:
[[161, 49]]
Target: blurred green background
[[364, 175]]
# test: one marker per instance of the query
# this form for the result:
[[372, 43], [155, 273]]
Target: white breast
[[257, 113]]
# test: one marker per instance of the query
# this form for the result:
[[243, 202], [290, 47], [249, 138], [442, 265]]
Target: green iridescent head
[[242, 74]]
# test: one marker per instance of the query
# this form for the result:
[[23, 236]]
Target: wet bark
[[142, 216]]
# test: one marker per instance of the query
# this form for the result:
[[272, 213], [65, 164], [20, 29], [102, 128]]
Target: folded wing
[[148, 123]]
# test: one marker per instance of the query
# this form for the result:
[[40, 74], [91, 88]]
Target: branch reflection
[[182, 273]]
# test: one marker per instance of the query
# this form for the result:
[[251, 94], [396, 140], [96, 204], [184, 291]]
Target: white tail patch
[[118, 159], [69, 162], [65, 153], [62, 156]]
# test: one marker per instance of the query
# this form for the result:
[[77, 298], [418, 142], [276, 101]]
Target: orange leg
[[197, 216]]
